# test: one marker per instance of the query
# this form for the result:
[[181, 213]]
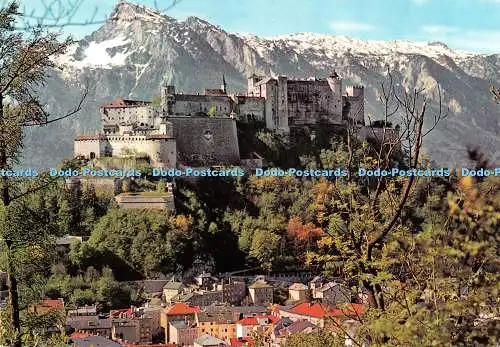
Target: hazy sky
[[472, 25]]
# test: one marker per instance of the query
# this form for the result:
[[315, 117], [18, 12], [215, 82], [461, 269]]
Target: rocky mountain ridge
[[138, 49]]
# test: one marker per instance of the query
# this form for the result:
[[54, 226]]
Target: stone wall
[[186, 104], [159, 150], [89, 147], [356, 98], [311, 101], [143, 116], [250, 108], [168, 152], [206, 140]]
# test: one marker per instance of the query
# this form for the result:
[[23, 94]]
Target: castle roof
[[159, 137], [264, 81], [200, 97], [91, 137], [334, 74], [217, 91], [120, 102]]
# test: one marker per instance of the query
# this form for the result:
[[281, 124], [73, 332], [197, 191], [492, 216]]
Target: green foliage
[[212, 112], [161, 186], [148, 241], [264, 248], [156, 100], [316, 338], [94, 287]]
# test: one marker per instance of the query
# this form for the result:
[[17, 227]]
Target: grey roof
[[216, 316], [317, 279], [184, 297], [259, 285], [151, 286], [264, 81], [181, 324], [282, 324], [84, 311], [250, 309], [94, 341], [331, 285], [209, 340], [173, 285], [300, 326], [298, 286], [82, 323]]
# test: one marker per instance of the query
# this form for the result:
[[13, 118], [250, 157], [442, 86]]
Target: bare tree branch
[[59, 14]]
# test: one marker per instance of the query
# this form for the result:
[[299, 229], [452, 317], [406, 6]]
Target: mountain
[[138, 49]]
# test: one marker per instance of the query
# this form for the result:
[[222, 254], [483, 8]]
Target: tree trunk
[[11, 278], [13, 299]]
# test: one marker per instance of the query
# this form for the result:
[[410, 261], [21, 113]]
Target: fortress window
[[92, 155]]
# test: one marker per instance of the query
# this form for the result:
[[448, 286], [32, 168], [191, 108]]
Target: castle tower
[[251, 81], [356, 97], [167, 89], [282, 105], [168, 98], [223, 86], [335, 83]]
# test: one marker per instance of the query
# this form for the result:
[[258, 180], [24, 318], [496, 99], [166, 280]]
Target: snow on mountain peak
[[97, 54], [345, 44]]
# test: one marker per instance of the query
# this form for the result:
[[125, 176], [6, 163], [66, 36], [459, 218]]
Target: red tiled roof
[[78, 335], [348, 310], [310, 310], [181, 308], [254, 320], [126, 311], [245, 341], [120, 102], [319, 311], [52, 303]]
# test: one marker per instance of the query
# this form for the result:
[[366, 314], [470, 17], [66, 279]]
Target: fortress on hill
[[200, 129]]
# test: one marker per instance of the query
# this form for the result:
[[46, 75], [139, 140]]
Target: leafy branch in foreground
[[26, 58]]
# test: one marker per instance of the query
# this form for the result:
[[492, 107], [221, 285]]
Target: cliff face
[[138, 49]]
